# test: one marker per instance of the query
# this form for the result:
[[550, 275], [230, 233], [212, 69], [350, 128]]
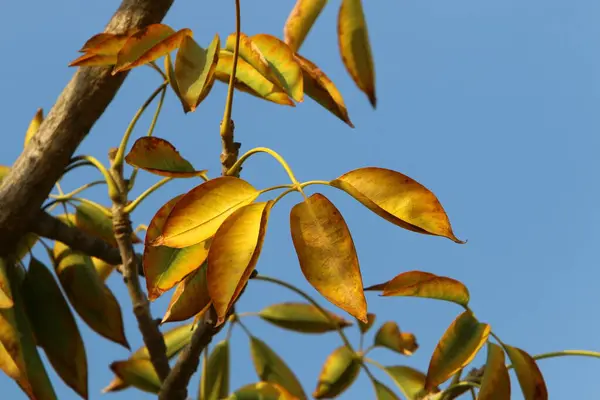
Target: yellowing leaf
[[138, 373], [283, 63], [34, 125], [234, 253], [214, 383], [365, 326], [529, 375], [301, 19], [250, 53], [339, 372], [389, 336], [353, 41], [195, 71], [190, 298], [327, 255], [398, 199], [424, 284], [103, 268], [54, 327], [302, 317], [261, 391], [88, 294], [383, 392], [250, 80], [147, 45], [321, 89], [457, 348], [6, 300], [101, 50], [496, 382], [199, 213], [410, 381], [92, 220], [271, 368], [94, 60], [160, 157]]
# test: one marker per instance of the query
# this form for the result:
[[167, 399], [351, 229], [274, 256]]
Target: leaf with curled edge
[[390, 336]]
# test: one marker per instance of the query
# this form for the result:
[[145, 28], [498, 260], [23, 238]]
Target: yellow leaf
[[34, 125], [353, 41], [139, 373], [300, 21], [281, 59], [261, 391], [321, 89], [529, 375], [103, 268], [271, 368], [365, 326], [301, 317], [88, 294], [457, 348], [94, 60], [496, 382], [199, 213], [101, 50], [327, 255], [339, 372], [410, 381], [389, 336], [251, 54], [214, 383], [398, 199], [234, 253], [190, 297], [383, 392]]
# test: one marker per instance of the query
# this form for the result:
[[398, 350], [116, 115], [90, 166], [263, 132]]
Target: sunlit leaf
[[190, 298], [355, 49], [234, 253], [54, 327], [327, 255], [271, 368], [94, 60], [88, 294], [365, 326], [147, 45], [389, 336], [302, 317], [139, 373], [410, 381], [457, 348], [101, 50], [529, 375], [300, 21], [214, 383], [34, 125], [199, 213], [321, 89], [165, 267], [251, 54], [195, 71], [398, 199], [283, 63], [103, 268], [90, 219], [424, 284], [496, 382], [19, 358], [339, 372], [261, 391], [383, 392]]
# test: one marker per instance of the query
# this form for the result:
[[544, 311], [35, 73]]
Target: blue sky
[[492, 105]]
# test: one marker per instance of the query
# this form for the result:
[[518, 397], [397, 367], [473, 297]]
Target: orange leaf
[[234, 253], [190, 298], [339, 372], [496, 382], [389, 336], [398, 199], [529, 375], [327, 255], [301, 19]]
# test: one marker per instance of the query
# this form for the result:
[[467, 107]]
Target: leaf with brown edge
[[365, 326], [250, 53], [201, 211], [214, 382], [528, 373], [398, 199], [383, 392], [283, 63], [495, 384], [92, 220], [87, 293], [271, 368], [54, 327], [94, 60], [261, 391], [457, 348], [389, 336], [195, 71], [339, 372], [425, 284], [302, 317], [101, 50], [148, 44], [300, 21], [321, 89], [190, 298], [19, 357], [165, 267], [410, 381], [248, 79], [234, 253], [138, 373], [327, 255], [160, 157], [34, 125], [355, 49]]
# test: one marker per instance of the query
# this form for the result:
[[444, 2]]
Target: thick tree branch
[[79, 106]]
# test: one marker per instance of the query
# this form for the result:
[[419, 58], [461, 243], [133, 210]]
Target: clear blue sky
[[493, 105]]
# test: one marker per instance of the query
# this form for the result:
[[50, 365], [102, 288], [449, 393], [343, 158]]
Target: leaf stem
[[309, 183], [157, 69], [80, 189], [113, 190], [132, 206], [270, 189]]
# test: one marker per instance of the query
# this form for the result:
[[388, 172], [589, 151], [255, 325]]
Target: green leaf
[[339, 372], [214, 383], [389, 336], [139, 373], [383, 392], [496, 382], [302, 317], [410, 381], [261, 391], [93, 220], [529, 375]]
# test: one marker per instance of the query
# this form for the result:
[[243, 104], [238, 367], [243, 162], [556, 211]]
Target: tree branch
[[79, 106]]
